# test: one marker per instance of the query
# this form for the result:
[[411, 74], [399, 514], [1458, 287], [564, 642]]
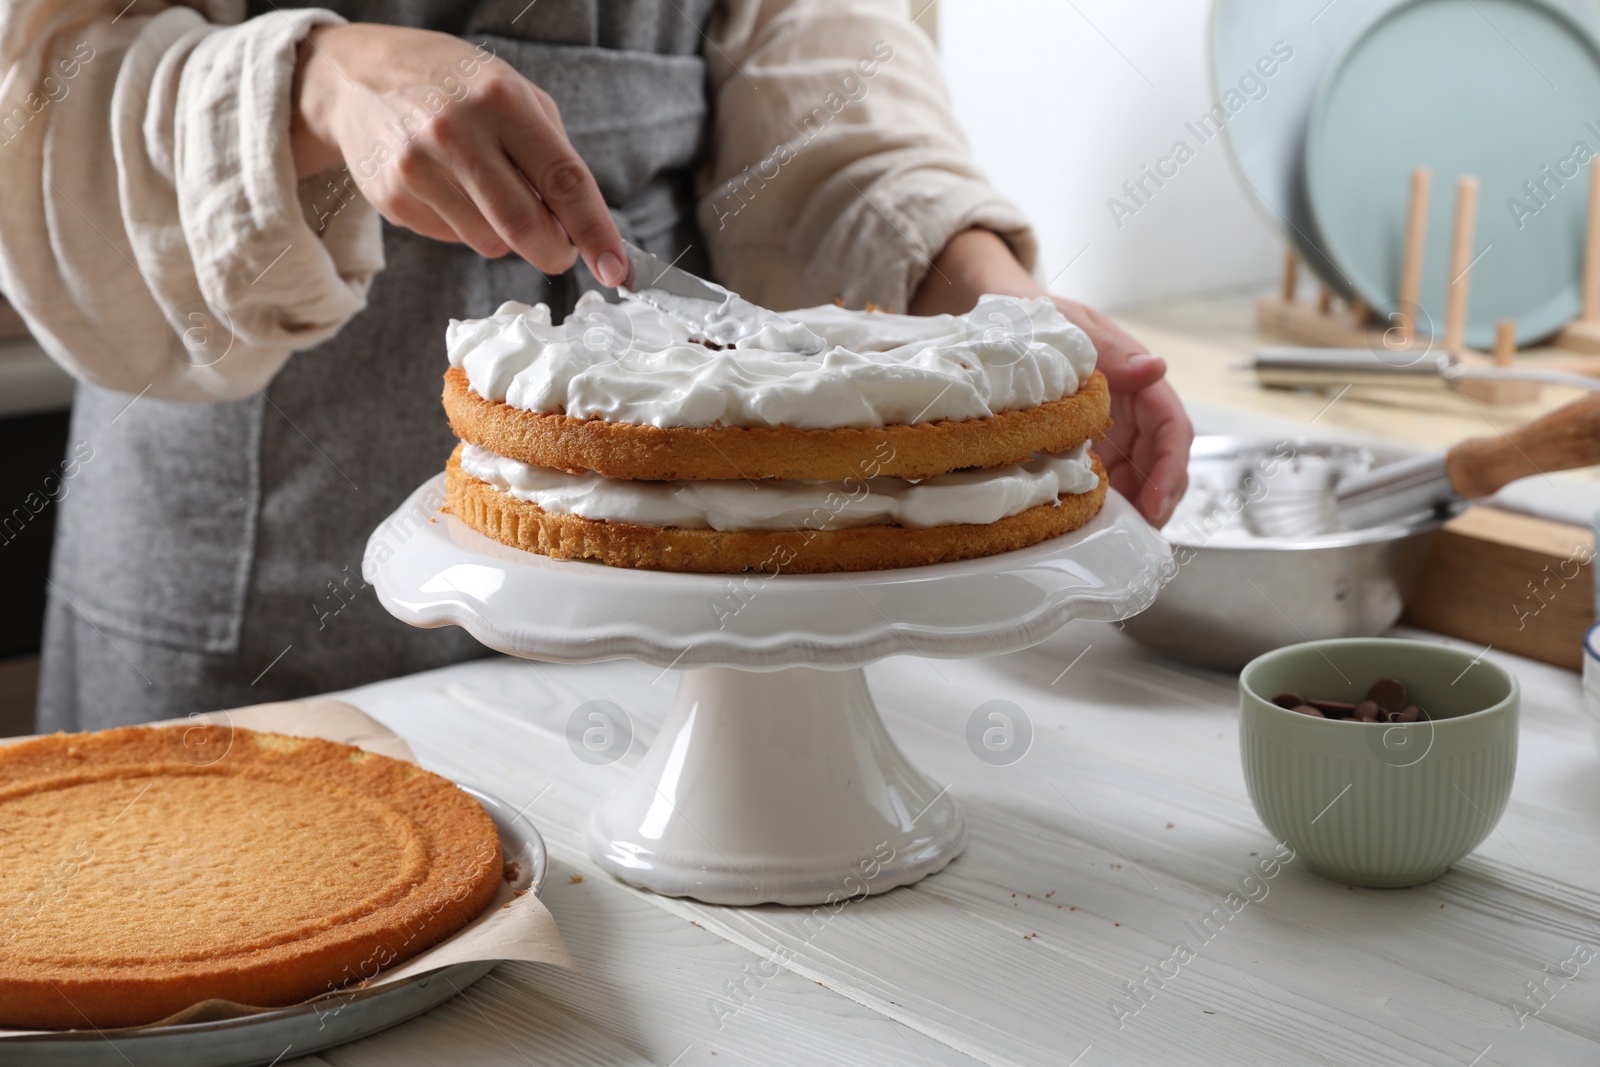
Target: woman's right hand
[[449, 141]]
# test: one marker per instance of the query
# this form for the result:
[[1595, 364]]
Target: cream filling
[[632, 363], [974, 496]]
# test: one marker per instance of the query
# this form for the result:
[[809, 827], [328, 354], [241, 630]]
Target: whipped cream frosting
[[734, 322], [973, 496], [634, 363]]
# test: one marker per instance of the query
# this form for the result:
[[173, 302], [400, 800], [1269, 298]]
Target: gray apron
[[209, 555]]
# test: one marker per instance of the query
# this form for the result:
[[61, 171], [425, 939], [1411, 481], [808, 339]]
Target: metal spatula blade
[[717, 314], [649, 273]]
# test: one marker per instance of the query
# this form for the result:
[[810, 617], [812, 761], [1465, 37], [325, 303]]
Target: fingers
[[1132, 371], [1165, 487], [539, 148], [456, 212], [1119, 472], [1146, 454], [496, 195], [414, 214], [495, 170], [1166, 435], [461, 172]]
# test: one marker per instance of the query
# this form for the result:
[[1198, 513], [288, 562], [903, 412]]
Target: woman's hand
[[1146, 454], [446, 140]]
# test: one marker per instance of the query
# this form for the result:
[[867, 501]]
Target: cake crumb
[[576, 878]]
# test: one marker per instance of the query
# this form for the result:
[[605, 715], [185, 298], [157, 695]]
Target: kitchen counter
[[1124, 825], [1112, 839]]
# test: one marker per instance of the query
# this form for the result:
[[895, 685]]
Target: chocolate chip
[[1385, 703], [1389, 693]]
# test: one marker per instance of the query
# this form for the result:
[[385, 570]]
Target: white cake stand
[[773, 780]]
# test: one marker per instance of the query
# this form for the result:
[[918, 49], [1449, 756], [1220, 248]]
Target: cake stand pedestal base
[[775, 787], [773, 780]]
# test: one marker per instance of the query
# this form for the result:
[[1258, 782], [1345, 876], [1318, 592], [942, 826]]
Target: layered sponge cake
[[838, 440]]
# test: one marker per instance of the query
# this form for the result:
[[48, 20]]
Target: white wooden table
[[1125, 821]]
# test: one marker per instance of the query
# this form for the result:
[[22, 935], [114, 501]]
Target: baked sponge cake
[[135, 882], [847, 440]]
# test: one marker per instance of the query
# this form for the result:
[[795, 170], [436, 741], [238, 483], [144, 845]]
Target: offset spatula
[[1567, 438], [716, 313], [647, 272]]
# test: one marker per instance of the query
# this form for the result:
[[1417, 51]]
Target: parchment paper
[[512, 927]]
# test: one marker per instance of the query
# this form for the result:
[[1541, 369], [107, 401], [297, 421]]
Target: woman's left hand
[[1146, 454]]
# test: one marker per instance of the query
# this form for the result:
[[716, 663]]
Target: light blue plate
[[1507, 90], [1266, 134]]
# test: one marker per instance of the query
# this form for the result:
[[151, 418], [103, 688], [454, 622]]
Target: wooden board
[[1581, 336], [1306, 323], [1510, 581]]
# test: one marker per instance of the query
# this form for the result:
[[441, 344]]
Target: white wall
[[1064, 100]]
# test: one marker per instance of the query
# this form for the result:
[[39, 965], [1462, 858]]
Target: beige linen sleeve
[[152, 232], [837, 168]]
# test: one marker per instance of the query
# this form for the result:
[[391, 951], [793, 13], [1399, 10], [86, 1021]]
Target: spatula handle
[[1568, 437]]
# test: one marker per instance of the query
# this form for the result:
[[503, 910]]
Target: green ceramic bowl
[[1374, 805]]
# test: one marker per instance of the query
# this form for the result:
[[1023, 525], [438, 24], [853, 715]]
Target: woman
[[191, 225]]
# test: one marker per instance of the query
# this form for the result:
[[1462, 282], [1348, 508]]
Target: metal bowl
[[1232, 593]]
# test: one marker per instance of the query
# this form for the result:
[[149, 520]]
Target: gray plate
[[1266, 137], [1504, 90], [291, 1032]]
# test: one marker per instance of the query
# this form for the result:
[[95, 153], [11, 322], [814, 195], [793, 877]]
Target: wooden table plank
[[1078, 829]]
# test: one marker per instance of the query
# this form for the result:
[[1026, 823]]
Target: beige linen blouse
[[146, 175]]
